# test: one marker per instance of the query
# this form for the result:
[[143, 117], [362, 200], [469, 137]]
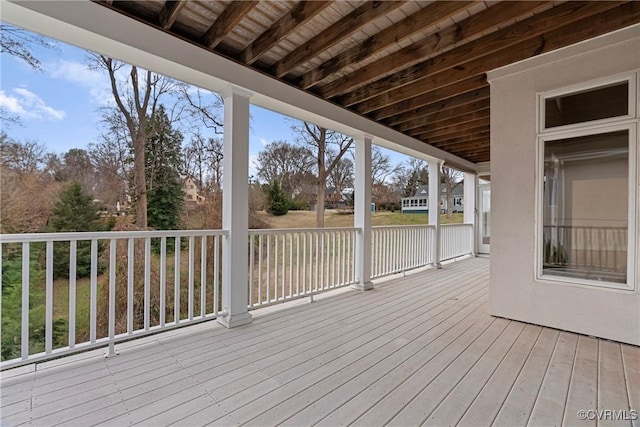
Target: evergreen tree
[[277, 201], [163, 160], [75, 211]]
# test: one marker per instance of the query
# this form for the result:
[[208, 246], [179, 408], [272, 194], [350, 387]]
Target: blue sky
[[60, 105]]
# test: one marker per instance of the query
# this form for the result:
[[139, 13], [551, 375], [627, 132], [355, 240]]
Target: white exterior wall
[[515, 292]]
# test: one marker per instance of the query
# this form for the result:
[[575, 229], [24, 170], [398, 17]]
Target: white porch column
[[434, 207], [362, 213], [469, 205], [235, 207]]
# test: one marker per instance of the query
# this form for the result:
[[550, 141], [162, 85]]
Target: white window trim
[[630, 78], [629, 122]]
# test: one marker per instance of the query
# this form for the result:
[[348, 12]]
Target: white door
[[484, 220]]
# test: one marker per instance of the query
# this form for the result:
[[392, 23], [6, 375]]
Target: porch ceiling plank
[[426, 17], [536, 45], [440, 94], [169, 12], [225, 23], [458, 101], [431, 46], [292, 20], [445, 115], [337, 32]]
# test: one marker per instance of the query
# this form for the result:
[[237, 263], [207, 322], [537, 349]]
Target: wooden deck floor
[[415, 350]]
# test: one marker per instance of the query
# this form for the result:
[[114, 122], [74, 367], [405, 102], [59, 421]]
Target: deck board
[[417, 349]]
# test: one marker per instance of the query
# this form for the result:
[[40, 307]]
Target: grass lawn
[[307, 219]]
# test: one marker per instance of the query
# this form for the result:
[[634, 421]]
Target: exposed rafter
[[169, 12], [427, 133], [228, 19], [426, 63], [450, 103], [451, 114], [424, 18], [427, 48], [293, 19], [432, 97], [334, 34], [496, 50]]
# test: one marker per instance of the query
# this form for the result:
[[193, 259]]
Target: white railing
[[69, 292], [455, 240], [292, 263], [76, 291], [399, 248]]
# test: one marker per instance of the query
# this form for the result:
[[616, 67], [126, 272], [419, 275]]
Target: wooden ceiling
[[418, 67]]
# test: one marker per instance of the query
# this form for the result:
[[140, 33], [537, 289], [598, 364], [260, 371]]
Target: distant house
[[419, 202], [191, 191]]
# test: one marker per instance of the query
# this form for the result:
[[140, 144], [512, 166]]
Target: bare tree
[[136, 99], [409, 175], [112, 160], [381, 166], [341, 176], [21, 157], [451, 179], [203, 105], [320, 140], [202, 160], [18, 43], [287, 163]]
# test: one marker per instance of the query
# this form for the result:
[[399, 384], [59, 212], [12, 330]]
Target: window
[[587, 191]]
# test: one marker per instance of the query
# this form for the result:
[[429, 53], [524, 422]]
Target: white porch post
[[434, 208], [362, 211], [235, 207], [469, 205]]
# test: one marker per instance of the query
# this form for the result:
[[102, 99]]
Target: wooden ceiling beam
[[169, 13], [292, 20], [442, 124], [337, 32], [444, 115], [482, 148], [424, 18], [228, 19], [439, 107], [432, 97], [431, 46], [454, 130], [530, 47], [526, 29], [477, 143], [460, 140]]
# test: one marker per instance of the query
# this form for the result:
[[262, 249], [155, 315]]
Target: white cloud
[[28, 105], [95, 81], [263, 141]]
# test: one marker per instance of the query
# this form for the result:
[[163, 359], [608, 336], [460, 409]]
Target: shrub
[[277, 201]]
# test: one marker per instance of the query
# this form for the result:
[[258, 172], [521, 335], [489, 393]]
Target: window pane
[[594, 104], [585, 204]]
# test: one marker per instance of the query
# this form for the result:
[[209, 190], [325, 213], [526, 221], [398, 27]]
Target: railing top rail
[[300, 230], [457, 225], [379, 227], [106, 235]]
